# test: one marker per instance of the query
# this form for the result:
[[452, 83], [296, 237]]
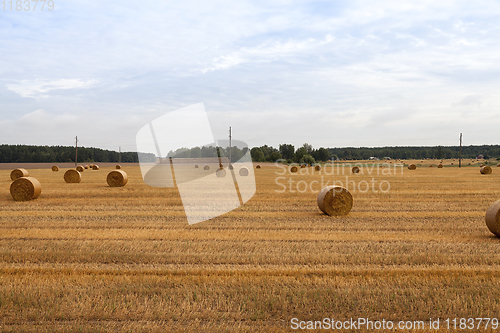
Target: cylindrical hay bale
[[440, 166], [258, 166], [230, 167], [25, 188], [498, 165], [18, 173], [493, 218], [206, 167], [117, 178], [294, 169], [482, 165], [220, 173], [118, 166], [486, 170], [355, 169], [80, 168], [86, 167], [196, 166], [430, 166], [243, 172], [317, 167], [72, 176], [95, 167], [302, 166], [412, 167], [55, 168], [335, 201]]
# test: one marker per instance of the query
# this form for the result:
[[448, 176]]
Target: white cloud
[[39, 87], [268, 51]]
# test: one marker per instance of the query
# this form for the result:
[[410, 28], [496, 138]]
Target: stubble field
[[87, 257]]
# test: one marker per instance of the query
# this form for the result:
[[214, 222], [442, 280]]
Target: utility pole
[[76, 151], [460, 153], [230, 146]]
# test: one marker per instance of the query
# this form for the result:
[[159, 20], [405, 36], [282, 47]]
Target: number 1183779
[[27, 5]]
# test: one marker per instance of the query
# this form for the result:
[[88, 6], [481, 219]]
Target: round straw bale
[[430, 166], [25, 188], [493, 218], [117, 178], [86, 167], [206, 167], [486, 170], [412, 167], [118, 166], [440, 166], [302, 166], [355, 169], [243, 172], [196, 166], [258, 166], [317, 167], [482, 165], [220, 173], [335, 201], [221, 166], [498, 165], [80, 168], [95, 167], [55, 168], [452, 163], [230, 167], [72, 176], [294, 169], [18, 173]]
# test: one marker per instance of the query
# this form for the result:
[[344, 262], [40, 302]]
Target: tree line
[[304, 154], [307, 154], [61, 154]]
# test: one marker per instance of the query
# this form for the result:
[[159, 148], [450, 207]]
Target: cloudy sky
[[329, 73]]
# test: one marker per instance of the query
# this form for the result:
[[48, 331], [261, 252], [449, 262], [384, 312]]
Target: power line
[[76, 151]]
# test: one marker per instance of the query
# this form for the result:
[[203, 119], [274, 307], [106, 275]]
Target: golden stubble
[[85, 256]]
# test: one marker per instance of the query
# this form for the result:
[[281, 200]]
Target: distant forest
[[52, 154], [307, 154], [304, 154]]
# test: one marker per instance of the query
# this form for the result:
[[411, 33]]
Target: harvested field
[[95, 258]]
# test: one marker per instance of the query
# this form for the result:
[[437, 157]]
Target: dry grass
[[94, 258]]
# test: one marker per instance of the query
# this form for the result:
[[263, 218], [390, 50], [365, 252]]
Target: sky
[[327, 73]]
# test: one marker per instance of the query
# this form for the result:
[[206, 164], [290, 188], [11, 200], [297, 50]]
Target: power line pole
[[460, 153], [76, 151], [230, 146]]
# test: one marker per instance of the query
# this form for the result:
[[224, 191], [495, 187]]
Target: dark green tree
[[287, 151]]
